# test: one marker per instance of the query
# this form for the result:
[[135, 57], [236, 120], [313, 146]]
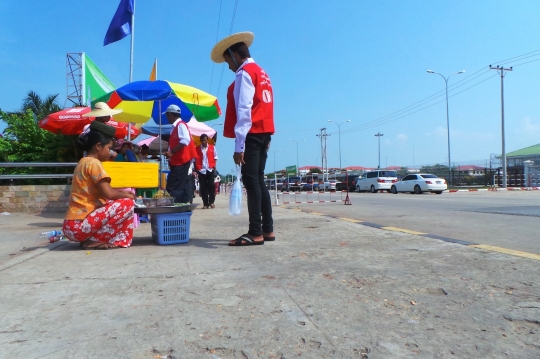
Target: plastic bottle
[[49, 234], [57, 238]]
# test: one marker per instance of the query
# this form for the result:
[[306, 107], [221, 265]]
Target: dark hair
[[90, 139], [240, 48], [145, 147], [204, 135]]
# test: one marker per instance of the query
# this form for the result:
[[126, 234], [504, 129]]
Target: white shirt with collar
[[183, 133], [205, 166], [244, 91]]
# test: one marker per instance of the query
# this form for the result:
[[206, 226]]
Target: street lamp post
[[379, 135], [297, 142], [447, 114], [339, 138]]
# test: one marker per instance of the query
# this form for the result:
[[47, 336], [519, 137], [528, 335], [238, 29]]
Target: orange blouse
[[85, 196]]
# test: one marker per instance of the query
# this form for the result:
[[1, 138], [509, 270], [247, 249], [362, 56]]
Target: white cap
[[173, 109]]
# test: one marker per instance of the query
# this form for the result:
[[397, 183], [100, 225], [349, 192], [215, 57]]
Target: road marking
[[395, 229], [351, 220], [468, 244], [507, 251]]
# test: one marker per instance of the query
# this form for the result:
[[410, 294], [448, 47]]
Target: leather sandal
[[244, 240]]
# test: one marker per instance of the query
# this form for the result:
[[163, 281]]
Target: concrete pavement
[[326, 288]]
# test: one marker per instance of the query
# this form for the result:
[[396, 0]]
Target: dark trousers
[[179, 183], [206, 188], [258, 198]]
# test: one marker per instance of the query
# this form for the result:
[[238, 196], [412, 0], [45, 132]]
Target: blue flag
[[120, 26]]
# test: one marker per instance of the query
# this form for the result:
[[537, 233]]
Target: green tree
[[40, 107], [402, 172], [315, 170], [24, 141]]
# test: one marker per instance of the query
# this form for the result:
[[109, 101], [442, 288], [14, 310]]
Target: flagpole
[[160, 148], [131, 58], [132, 43]]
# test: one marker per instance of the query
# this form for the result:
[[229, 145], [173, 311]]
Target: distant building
[[470, 170]]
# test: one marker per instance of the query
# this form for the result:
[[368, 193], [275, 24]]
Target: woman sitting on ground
[[98, 216]]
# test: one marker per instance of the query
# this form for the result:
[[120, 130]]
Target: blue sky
[[328, 60]]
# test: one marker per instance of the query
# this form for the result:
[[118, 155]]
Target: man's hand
[[238, 158], [168, 154]]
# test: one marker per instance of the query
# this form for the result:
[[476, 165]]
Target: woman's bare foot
[[88, 244], [268, 237]]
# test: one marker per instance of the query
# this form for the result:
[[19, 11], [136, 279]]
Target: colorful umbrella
[[141, 100], [195, 127], [70, 121]]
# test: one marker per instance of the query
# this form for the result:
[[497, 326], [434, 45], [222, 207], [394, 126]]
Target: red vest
[[209, 153], [262, 111], [186, 153]]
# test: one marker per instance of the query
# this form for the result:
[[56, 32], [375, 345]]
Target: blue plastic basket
[[171, 228]]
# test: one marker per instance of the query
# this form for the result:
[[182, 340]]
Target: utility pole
[[324, 158], [379, 135], [501, 70]]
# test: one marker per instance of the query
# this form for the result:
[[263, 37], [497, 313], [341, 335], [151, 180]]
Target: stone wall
[[34, 199]]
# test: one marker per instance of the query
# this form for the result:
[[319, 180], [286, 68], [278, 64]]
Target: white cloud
[[528, 128], [402, 137], [438, 132]]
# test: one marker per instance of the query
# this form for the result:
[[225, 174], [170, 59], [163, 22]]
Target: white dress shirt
[[183, 133], [244, 91], [204, 166]]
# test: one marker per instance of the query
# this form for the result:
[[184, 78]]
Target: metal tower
[[74, 79]]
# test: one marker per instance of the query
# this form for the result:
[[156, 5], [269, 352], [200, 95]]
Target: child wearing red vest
[[181, 152], [249, 119], [205, 165]]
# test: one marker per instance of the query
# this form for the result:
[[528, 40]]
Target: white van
[[375, 181]]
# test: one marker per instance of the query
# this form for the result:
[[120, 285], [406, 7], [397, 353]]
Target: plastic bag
[[235, 198]]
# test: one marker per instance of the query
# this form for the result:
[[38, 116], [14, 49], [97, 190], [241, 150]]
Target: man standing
[[249, 119], [181, 152], [205, 165]]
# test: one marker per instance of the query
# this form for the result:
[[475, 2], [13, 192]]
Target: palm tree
[[40, 107]]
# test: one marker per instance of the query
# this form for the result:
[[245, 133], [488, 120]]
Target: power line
[[217, 33], [230, 32], [423, 108], [404, 112]]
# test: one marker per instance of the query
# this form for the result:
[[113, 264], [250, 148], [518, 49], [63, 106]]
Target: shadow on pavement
[[147, 242]]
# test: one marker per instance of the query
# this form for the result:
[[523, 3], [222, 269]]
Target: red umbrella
[[66, 122], [71, 122], [122, 129]]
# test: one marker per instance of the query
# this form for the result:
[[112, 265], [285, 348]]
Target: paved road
[[325, 289], [503, 219]]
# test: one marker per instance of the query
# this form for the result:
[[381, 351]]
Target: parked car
[[375, 181], [331, 185], [349, 181], [419, 183], [291, 184]]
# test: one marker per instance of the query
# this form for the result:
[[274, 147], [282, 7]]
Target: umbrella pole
[[160, 149]]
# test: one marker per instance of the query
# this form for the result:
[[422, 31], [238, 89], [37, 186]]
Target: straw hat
[[217, 52], [101, 109]]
